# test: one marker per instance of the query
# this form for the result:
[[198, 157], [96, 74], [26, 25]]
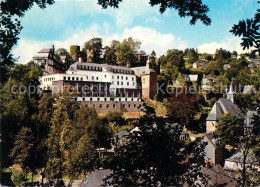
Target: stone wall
[[149, 85], [124, 106], [211, 126]]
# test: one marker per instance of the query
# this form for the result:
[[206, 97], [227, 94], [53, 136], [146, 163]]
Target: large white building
[[117, 77]]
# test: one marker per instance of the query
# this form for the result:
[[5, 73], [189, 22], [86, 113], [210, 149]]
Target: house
[[221, 107], [96, 178], [249, 119], [217, 176], [226, 66], [201, 57], [233, 56], [50, 62], [148, 80], [234, 163], [214, 149], [183, 134], [197, 65], [249, 89], [184, 79], [102, 86], [185, 57], [120, 138], [206, 83]]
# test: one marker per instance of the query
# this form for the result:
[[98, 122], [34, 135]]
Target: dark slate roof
[[218, 176], [216, 113], [228, 106], [95, 179], [122, 134], [98, 67], [46, 50], [142, 70], [223, 106], [238, 157]]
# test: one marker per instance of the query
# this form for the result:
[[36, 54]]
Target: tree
[[246, 139], [94, 44], [172, 63], [125, 51], [154, 155], [195, 9], [182, 108], [115, 117], [152, 60], [110, 55], [230, 128], [249, 30], [18, 105], [23, 150], [55, 155], [11, 28]]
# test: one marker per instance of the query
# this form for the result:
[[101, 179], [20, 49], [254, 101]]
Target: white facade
[[119, 77]]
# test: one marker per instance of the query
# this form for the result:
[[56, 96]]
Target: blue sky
[[69, 22]]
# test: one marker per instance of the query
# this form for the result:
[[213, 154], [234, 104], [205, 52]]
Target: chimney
[[53, 48]]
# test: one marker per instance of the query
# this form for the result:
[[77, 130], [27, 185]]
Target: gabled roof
[[218, 176], [142, 70], [96, 178], [228, 106], [216, 113], [223, 106], [122, 134], [46, 50]]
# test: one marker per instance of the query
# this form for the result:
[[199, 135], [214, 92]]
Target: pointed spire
[[231, 94], [231, 89], [148, 63]]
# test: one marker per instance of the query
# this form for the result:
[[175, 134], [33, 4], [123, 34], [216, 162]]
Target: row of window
[[114, 106], [49, 79], [105, 99], [118, 83], [122, 77], [95, 68]]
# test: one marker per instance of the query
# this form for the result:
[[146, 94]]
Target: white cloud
[[128, 11], [230, 43], [151, 40]]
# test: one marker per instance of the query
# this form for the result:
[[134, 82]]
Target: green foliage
[[24, 150], [11, 28], [172, 63], [152, 60], [115, 117], [230, 129], [222, 54], [125, 51], [182, 108], [246, 101], [110, 55], [94, 44], [147, 159], [18, 107], [195, 9], [249, 30], [192, 55], [18, 178]]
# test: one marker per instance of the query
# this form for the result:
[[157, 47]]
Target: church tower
[[231, 94]]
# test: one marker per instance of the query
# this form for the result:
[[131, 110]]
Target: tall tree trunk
[[244, 171]]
